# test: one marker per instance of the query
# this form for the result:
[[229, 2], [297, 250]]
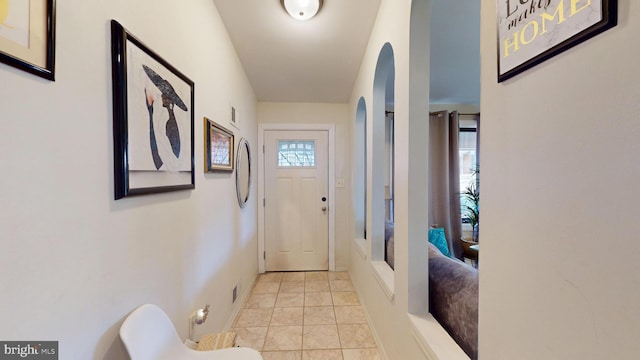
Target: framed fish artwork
[[153, 120]]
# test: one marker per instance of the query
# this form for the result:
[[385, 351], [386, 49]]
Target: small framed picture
[[218, 147], [27, 36]]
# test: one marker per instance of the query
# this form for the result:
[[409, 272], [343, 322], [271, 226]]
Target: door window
[[299, 153]]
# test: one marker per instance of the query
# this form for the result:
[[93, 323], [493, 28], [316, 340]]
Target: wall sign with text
[[532, 31]]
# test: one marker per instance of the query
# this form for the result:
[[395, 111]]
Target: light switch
[[339, 183]]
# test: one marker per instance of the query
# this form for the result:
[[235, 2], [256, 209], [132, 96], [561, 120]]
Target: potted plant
[[470, 198], [471, 209]]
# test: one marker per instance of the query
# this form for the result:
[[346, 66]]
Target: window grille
[[297, 153]]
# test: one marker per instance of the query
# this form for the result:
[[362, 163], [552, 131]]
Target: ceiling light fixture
[[302, 9]]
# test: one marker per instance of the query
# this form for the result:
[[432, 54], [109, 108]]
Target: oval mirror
[[243, 172]]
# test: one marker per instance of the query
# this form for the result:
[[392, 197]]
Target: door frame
[[330, 128]]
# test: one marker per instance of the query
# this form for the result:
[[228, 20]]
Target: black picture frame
[[530, 28], [37, 56], [150, 155]]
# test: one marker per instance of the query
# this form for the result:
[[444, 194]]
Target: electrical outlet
[[235, 294], [339, 183]]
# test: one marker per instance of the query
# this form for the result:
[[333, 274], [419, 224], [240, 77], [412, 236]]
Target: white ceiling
[[288, 60], [318, 60]]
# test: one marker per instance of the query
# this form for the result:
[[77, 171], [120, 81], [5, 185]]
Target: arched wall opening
[[360, 176], [382, 87]]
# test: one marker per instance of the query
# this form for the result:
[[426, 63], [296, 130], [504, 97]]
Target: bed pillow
[[438, 238]]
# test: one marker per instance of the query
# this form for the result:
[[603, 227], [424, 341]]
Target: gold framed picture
[[218, 147]]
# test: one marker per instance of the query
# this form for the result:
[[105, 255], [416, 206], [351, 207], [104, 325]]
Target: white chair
[[149, 334]]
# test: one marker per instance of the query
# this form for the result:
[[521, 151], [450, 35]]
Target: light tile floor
[[305, 316]]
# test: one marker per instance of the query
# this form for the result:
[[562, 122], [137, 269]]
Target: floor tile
[[344, 298], [282, 355], [319, 315], [283, 338], [256, 301], [266, 288], [287, 316], [341, 285], [350, 315], [254, 317], [321, 355], [338, 275], [290, 300], [293, 276], [320, 337], [316, 286], [305, 316], [360, 354], [356, 336], [318, 299], [292, 287], [270, 277], [252, 337], [316, 276]]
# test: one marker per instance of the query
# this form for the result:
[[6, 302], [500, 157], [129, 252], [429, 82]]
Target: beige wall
[[316, 113], [559, 161], [389, 315], [74, 261]]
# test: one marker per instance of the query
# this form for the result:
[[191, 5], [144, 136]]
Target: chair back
[[149, 334]]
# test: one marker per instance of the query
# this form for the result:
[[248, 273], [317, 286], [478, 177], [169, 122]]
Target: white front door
[[296, 200]]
